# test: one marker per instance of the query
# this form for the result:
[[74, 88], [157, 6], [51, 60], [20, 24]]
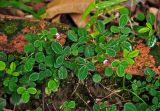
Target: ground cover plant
[[111, 64]]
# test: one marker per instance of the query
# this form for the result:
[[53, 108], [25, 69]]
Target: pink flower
[[57, 35], [105, 62]]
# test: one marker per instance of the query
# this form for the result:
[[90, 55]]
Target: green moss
[[26, 23], [155, 51], [10, 29]]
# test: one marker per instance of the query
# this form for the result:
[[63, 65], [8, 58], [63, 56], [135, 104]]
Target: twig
[[43, 98], [53, 104], [4, 109], [86, 85], [112, 92], [14, 108], [82, 100], [76, 88]]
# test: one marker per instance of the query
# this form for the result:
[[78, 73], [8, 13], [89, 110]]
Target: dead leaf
[[57, 7], [77, 18], [56, 19]]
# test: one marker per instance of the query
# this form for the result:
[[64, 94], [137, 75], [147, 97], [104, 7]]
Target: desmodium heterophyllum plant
[[46, 63]]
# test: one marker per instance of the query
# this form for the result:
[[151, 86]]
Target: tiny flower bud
[[105, 62]]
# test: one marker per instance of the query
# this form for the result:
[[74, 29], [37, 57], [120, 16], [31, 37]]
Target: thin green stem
[[136, 95], [124, 80]]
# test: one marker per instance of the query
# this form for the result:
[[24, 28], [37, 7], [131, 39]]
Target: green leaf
[[149, 71], [90, 66], [81, 61], [129, 60], [102, 105], [65, 104], [110, 52], [96, 78], [29, 37], [152, 41], [88, 10], [120, 71], [60, 60], [53, 85], [129, 107], [82, 32], [155, 101], [123, 20], [72, 35], [29, 48], [111, 43], [140, 16], [37, 44], [42, 66], [25, 97], [3, 103], [126, 45], [133, 54], [129, 76], [62, 72], [32, 90], [49, 61], [82, 72], [108, 19], [122, 39], [34, 76], [57, 47], [47, 91], [39, 57], [124, 10], [75, 51], [108, 71], [125, 53], [149, 25], [150, 18], [13, 66], [28, 66], [115, 29], [125, 30], [99, 26], [2, 65], [3, 56], [15, 73], [143, 30], [20, 90], [82, 40], [53, 30], [67, 51], [106, 4], [89, 51], [39, 109], [15, 99], [115, 63], [71, 104], [124, 63]]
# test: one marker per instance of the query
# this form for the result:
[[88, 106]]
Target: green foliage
[[25, 93], [67, 106], [2, 65], [103, 6], [22, 6], [48, 63], [97, 78], [148, 31], [2, 103], [129, 107], [102, 106]]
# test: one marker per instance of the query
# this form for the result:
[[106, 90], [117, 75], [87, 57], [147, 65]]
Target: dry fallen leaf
[[77, 18], [75, 7]]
